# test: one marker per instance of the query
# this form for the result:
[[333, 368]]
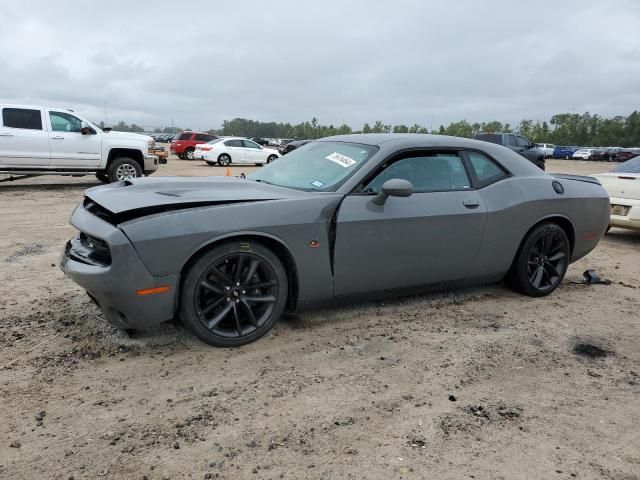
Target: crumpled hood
[[159, 192]]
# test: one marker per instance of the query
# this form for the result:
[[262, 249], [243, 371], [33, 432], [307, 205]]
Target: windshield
[[319, 166], [630, 166]]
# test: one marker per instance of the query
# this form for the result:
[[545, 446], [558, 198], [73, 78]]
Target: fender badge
[[314, 244]]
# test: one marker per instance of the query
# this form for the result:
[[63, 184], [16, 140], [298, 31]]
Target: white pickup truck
[[56, 141]]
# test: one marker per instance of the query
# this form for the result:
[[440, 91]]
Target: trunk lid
[[621, 184]]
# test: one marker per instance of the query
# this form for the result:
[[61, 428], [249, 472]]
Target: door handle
[[471, 203], [57, 138], [6, 134]]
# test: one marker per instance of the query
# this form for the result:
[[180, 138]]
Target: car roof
[[411, 139]]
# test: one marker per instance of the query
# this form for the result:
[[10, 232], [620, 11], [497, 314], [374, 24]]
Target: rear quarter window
[[486, 170], [490, 137], [22, 118]]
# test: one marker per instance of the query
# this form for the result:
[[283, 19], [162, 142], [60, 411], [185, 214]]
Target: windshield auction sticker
[[341, 160]]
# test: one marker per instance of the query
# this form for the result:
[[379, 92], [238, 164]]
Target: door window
[[22, 118], [522, 142], [64, 122], [427, 173], [202, 137], [250, 144], [233, 143]]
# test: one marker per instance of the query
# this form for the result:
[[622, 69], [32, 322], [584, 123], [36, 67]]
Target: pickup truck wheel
[[102, 177], [124, 168], [188, 154]]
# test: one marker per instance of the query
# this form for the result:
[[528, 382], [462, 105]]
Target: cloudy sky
[[399, 61]]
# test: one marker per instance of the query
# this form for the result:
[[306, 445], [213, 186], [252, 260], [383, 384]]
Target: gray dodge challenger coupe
[[344, 217]]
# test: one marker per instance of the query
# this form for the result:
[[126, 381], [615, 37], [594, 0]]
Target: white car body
[[42, 140], [624, 195], [241, 151], [546, 148], [583, 154]]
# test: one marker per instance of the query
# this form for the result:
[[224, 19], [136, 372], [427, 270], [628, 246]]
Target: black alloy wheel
[[234, 294], [542, 261]]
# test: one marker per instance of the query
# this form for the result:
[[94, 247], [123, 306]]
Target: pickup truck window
[[22, 118], [64, 122]]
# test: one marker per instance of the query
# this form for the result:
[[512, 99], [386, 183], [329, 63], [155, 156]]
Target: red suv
[[183, 144]]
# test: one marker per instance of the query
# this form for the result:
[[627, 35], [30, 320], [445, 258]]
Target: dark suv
[[517, 143], [184, 143]]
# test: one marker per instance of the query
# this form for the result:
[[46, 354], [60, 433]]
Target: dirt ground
[[480, 383]]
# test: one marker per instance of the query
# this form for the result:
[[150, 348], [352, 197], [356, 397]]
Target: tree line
[[562, 129]]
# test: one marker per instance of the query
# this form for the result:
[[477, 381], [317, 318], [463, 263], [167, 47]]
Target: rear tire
[[102, 177], [210, 163], [123, 168], [234, 294], [188, 154], [271, 158], [541, 262]]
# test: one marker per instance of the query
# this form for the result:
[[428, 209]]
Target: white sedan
[[227, 151], [623, 186], [583, 154]]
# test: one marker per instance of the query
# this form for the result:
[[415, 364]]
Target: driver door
[[253, 152], [432, 236], [69, 147]]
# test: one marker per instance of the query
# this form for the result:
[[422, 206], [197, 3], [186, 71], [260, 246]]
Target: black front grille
[[89, 250]]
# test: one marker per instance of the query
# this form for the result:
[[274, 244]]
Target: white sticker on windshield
[[341, 160], [317, 183]]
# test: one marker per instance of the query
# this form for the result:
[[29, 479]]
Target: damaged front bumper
[[102, 260]]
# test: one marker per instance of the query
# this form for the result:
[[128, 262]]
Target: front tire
[[234, 294], [224, 160], [541, 262], [123, 168]]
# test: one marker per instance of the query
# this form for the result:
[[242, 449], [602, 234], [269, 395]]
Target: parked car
[[236, 150], [582, 154], [623, 186], [184, 143], [57, 141], [599, 154], [350, 216], [289, 147], [626, 154], [565, 152], [518, 144], [260, 141], [546, 148]]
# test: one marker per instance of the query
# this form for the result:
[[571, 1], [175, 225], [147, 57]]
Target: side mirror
[[396, 187], [85, 129]]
